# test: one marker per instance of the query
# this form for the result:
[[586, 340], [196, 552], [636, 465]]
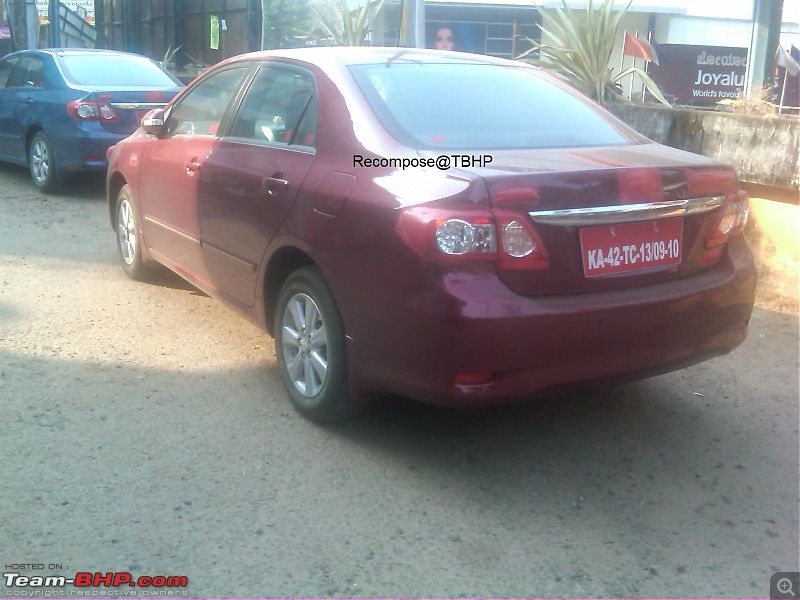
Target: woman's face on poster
[[443, 39]]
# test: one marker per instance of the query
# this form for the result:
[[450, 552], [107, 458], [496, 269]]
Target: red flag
[[637, 47]]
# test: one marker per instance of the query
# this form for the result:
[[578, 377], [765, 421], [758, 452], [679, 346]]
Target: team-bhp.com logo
[[90, 583]]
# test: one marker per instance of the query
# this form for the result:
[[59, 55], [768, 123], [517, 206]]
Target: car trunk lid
[[609, 218], [121, 111]]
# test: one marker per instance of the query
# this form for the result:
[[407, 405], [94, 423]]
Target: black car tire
[[129, 239], [310, 348], [41, 163]]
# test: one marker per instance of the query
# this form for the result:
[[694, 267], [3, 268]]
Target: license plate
[[613, 249]]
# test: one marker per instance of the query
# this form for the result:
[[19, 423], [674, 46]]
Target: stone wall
[[764, 152], [763, 149]]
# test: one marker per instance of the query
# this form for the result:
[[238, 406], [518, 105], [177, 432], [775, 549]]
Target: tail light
[[520, 245], [710, 182], [730, 218], [90, 110], [472, 378], [156, 96], [730, 222], [497, 236], [459, 237], [640, 185]]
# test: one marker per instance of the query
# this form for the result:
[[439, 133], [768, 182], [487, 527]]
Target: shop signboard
[[85, 8], [701, 75]]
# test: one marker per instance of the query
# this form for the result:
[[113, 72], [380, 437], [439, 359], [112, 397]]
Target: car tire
[[41, 163], [310, 348], [129, 239]]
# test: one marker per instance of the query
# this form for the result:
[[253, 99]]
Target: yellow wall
[[773, 232]]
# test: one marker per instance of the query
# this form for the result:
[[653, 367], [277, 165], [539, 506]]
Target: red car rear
[[454, 228]]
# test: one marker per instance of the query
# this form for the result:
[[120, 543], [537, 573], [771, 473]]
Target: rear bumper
[[532, 346], [83, 147]]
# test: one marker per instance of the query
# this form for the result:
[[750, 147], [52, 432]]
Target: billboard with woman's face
[[459, 37]]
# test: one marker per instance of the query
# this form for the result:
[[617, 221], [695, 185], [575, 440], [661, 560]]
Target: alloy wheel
[[126, 232], [40, 161], [305, 345]]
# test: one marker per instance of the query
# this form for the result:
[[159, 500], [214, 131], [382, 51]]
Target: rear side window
[[479, 106], [114, 70], [279, 107], [29, 73], [5, 70]]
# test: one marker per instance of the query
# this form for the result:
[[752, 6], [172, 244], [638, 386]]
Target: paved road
[[146, 431]]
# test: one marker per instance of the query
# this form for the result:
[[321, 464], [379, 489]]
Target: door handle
[[28, 100], [274, 185], [193, 167]]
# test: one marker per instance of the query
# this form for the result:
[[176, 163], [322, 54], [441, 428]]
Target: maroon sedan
[[454, 228]]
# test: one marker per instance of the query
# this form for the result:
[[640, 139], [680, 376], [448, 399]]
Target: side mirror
[[153, 122]]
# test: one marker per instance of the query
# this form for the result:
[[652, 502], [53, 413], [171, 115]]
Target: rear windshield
[[114, 70], [479, 106]]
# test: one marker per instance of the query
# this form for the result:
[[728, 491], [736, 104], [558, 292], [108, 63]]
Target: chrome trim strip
[[138, 105], [609, 215]]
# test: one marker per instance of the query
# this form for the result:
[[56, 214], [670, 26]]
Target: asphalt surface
[[145, 431]]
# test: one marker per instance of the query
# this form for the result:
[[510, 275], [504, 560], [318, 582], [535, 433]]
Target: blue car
[[60, 110]]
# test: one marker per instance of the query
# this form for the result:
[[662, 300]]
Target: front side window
[[201, 110], [472, 106], [29, 73], [279, 107]]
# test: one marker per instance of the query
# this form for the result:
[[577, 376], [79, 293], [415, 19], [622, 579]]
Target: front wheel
[[309, 343], [129, 241], [42, 163]]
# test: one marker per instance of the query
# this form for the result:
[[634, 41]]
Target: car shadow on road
[[91, 186], [163, 277], [578, 419]]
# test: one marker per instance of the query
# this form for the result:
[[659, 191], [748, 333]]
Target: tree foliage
[[577, 44], [282, 20]]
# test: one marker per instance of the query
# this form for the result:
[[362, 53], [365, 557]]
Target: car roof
[[357, 55], [77, 52]]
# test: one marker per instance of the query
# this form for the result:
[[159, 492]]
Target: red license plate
[[612, 249]]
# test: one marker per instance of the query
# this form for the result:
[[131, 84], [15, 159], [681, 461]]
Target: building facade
[[704, 48]]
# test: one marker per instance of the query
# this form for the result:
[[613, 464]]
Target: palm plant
[[579, 46], [169, 56], [349, 29]]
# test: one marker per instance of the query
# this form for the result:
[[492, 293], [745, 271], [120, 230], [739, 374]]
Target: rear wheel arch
[[29, 135], [281, 265]]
